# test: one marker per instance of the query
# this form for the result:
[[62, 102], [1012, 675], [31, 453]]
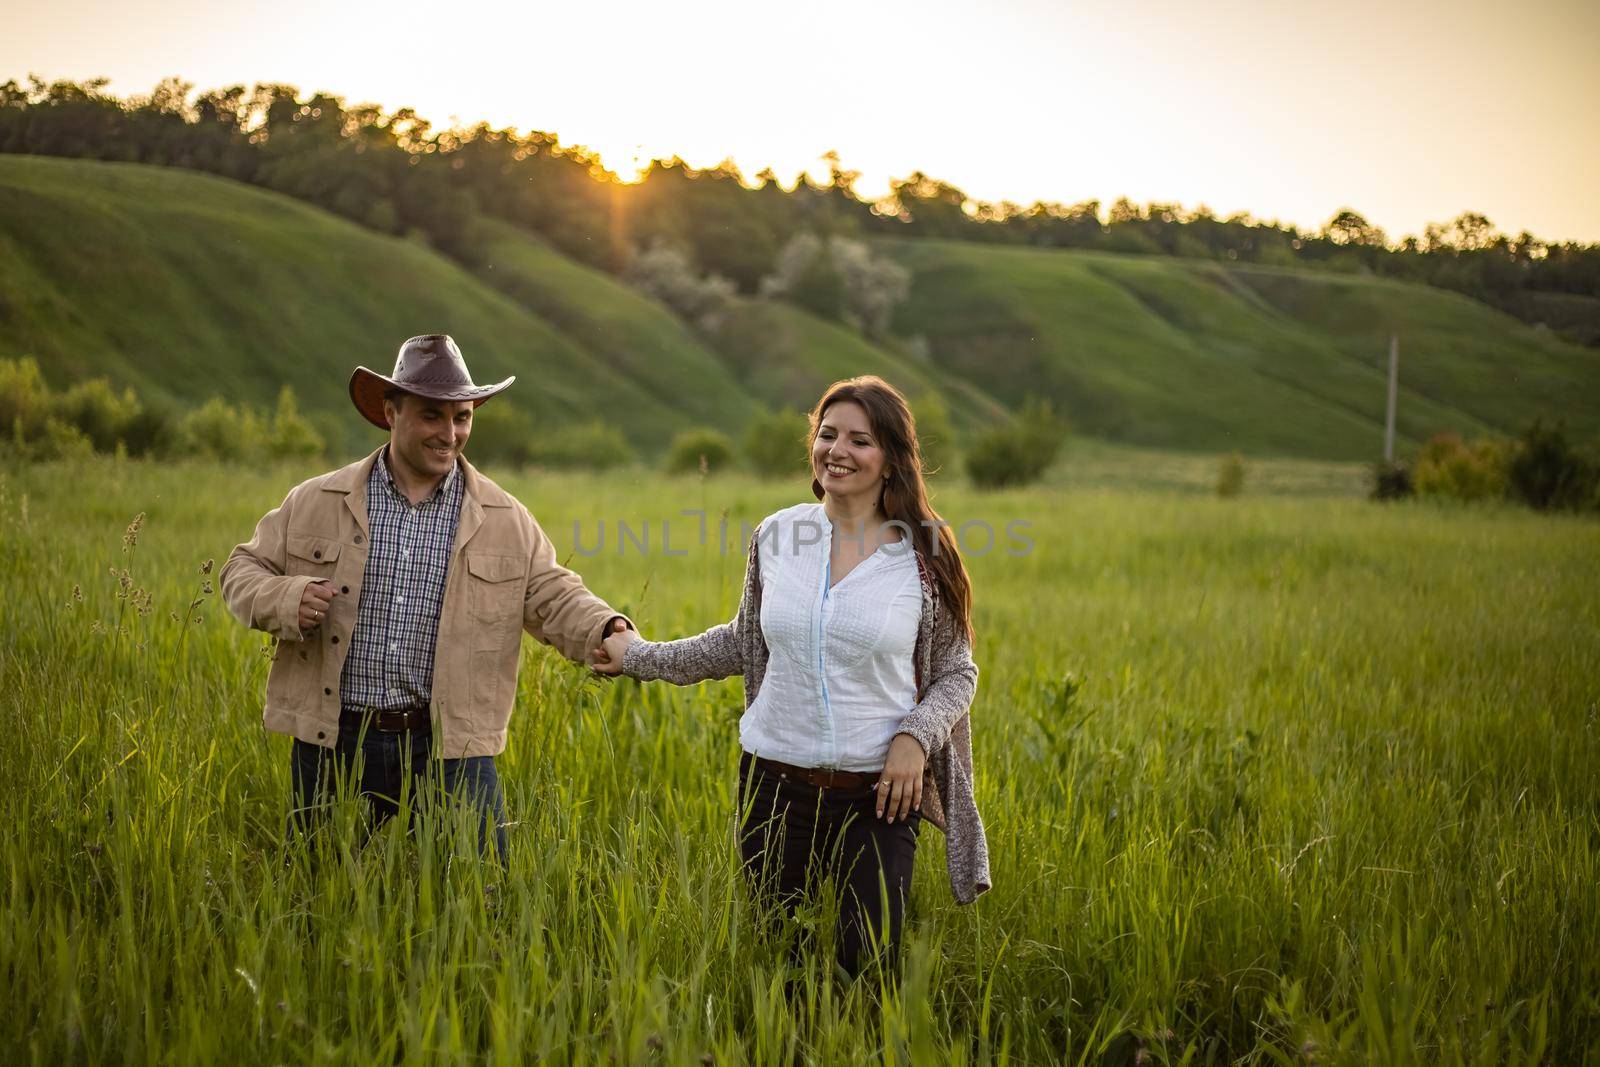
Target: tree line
[[393, 172]]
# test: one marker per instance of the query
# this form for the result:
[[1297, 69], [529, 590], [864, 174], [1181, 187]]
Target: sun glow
[[628, 161], [1021, 100]]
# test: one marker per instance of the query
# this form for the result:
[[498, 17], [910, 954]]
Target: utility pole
[[1394, 384]]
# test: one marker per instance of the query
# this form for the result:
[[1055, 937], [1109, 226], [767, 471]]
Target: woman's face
[[845, 455]]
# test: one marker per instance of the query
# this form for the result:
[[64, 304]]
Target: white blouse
[[840, 676]]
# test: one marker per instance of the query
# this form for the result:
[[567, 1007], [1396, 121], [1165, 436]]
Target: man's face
[[427, 435]]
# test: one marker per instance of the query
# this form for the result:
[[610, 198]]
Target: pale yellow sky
[[1406, 111]]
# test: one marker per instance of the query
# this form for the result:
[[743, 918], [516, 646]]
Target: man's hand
[[314, 604], [900, 788], [607, 659]]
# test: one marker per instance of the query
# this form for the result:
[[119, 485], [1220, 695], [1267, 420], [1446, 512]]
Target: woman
[[854, 638]]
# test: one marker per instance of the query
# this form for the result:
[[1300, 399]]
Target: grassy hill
[[640, 337], [779, 351], [766, 354], [188, 286], [1198, 355]]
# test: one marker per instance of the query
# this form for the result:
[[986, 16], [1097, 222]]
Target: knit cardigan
[[941, 720]]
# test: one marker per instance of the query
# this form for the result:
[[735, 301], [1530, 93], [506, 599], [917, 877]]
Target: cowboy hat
[[429, 365]]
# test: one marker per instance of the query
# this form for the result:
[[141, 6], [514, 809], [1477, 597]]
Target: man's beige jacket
[[503, 578]]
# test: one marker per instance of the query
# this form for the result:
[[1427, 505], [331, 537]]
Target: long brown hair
[[905, 495]]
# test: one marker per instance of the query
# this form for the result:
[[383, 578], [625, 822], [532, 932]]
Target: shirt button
[[399, 600], [393, 646]]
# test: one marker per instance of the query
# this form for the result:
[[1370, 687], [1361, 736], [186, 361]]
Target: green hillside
[[641, 338], [765, 354], [781, 353], [188, 286], [1196, 355]]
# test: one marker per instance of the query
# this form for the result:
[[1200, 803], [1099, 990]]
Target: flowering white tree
[[667, 274], [842, 272]]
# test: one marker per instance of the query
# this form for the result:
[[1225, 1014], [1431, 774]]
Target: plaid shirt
[[390, 663]]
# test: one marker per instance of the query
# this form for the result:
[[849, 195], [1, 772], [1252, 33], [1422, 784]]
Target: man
[[398, 588]]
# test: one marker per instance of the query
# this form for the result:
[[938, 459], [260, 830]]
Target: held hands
[[314, 604], [900, 788], [607, 659]]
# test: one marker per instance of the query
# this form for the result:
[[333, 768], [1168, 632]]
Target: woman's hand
[[900, 788], [607, 659]]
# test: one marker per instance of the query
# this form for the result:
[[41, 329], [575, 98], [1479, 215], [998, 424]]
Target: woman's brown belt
[[821, 777]]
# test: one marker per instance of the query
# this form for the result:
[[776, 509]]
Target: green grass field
[[1290, 778]]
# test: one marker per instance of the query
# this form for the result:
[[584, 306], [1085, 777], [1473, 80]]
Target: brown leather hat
[[429, 365]]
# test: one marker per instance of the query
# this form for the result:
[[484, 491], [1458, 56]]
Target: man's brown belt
[[393, 722], [821, 777]]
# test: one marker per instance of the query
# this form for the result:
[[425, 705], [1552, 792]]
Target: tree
[[1472, 232], [665, 273], [1349, 228], [929, 207]]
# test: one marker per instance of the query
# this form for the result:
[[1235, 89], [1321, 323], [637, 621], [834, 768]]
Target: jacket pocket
[[316, 556], [292, 679], [496, 588]]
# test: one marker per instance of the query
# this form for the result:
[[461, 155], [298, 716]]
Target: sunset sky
[[1406, 111]]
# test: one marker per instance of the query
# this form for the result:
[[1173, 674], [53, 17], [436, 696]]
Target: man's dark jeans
[[795, 834], [379, 765]]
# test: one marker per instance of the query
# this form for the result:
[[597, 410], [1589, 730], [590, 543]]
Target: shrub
[[24, 399], [151, 432], [935, 436], [775, 444], [96, 409], [218, 430], [1546, 472], [504, 433], [594, 446], [997, 459], [501, 433], [1389, 480], [1447, 467], [291, 436], [51, 439], [699, 450], [1230, 476], [1019, 452]]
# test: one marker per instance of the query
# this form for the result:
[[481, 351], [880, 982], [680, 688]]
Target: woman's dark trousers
[[794, 834]]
